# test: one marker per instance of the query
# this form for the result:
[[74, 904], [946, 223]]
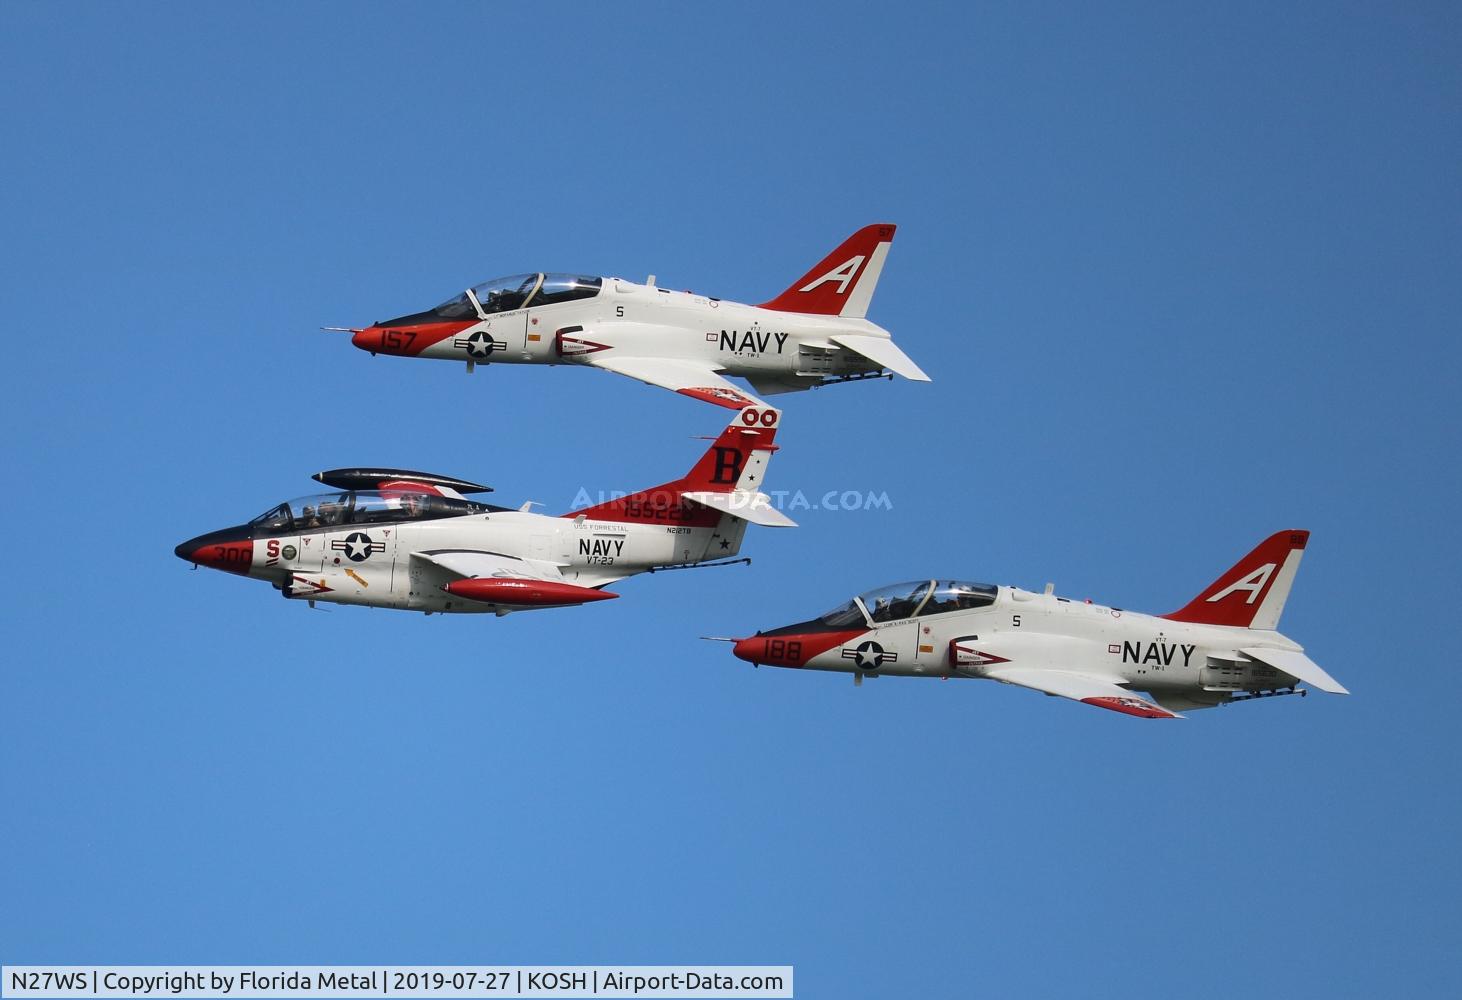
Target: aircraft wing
[[1088, 689], [698, 381], [474, 563]]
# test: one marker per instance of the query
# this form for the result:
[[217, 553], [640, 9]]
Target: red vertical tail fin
[[1252, 593], [737, 460], [842, 284]]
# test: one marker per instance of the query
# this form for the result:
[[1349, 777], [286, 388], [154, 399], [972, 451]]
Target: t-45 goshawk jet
[[1223, 646], [413, 541], [815, 333]]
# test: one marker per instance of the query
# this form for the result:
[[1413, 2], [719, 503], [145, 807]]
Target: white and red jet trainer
[[1222, 647], [413, 541], [815, 333]]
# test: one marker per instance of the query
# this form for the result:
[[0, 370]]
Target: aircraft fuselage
[[639, 321], [1043, 632], [379, 565]]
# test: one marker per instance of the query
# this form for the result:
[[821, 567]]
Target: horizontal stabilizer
[[1298, 666], [882, 351], [754, 507]]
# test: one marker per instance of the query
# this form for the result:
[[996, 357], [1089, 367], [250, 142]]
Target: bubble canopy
[[329, 510], [517, 291], [917, 598]]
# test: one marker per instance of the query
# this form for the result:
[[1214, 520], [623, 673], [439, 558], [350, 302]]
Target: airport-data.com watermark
[[787, 501]]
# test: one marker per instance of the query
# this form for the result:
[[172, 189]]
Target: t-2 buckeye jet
[[1221, 647], [812, 334], [412, 540]]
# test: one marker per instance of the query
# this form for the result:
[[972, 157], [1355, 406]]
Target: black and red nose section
[[793, 645], [408, 336], [229, 549]]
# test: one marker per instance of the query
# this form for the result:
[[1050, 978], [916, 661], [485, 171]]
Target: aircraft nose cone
[[746, 649], [792, 645], [231, 550], [368, 339]]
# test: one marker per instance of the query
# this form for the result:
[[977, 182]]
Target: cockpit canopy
[[328, 510], [519, 291], [918, 598]]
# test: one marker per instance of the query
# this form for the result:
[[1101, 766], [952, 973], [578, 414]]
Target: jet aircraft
[[813, 334], [414, 541], [1223, 646]]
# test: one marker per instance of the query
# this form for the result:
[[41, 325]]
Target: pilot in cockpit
[[967, 600], [942, 601]]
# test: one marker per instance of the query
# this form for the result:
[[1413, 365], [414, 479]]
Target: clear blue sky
[[1184, 275]]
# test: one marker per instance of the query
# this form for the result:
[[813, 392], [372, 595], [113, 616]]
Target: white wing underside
[[690, 378], [1089, 689]]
